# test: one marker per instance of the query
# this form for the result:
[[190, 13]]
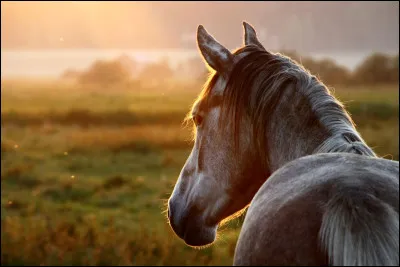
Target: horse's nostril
[[177, 220]]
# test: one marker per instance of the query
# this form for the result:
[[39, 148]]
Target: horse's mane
[[260, 81]]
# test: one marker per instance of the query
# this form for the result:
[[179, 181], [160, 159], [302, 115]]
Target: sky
[[302, 26]]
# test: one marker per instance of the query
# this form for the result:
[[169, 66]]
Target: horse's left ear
[[216, 55], [250, 36]]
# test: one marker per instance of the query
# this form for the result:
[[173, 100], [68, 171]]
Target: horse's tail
[[360, 230]]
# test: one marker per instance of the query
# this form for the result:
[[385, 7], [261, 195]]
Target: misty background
[[304, 26], [61, 35]]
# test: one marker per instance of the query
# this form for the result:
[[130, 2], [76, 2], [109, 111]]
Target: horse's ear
[[250, 36], [217, 56]]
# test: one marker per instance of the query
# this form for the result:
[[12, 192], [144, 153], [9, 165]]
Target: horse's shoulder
[[321, 171], [334, 164]]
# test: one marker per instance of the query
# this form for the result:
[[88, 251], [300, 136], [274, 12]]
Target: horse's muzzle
[[176, 220], [188, 224]]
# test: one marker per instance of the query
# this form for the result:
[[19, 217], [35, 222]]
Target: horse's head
[[223, 170]]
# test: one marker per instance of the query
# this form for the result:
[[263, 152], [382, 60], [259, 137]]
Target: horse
[[271, 140]]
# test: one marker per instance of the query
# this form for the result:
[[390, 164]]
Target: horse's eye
[[197, 119]]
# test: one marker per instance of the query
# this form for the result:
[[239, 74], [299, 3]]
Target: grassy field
[[85, 173]]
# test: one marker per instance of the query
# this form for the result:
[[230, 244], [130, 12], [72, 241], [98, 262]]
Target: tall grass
[[85, 174]]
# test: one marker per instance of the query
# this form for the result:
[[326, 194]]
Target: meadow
[[86, 172]]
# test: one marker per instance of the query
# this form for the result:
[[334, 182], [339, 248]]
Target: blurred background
[[93, 95]]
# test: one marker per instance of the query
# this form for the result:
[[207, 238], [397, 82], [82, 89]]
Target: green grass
[[92, 190], [388, 94], [56, 96]]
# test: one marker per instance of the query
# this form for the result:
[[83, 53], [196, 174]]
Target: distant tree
[[394, 69], [156, 72], [129, 64], [70, 74], [377, 68], [105, 73], [327, 70], [192, 68]]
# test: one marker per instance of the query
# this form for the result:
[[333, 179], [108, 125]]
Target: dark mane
[[261, 81]]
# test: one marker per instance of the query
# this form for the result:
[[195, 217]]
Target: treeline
[[378, 68], [122, 70]]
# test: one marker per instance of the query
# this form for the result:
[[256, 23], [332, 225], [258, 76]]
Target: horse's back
[[284, 221]]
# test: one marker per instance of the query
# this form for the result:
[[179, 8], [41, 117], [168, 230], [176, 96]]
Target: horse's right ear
[[250, 36], [217, 56]]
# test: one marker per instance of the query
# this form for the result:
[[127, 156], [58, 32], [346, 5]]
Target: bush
[[377, 69], [105, 73], [157, 72]]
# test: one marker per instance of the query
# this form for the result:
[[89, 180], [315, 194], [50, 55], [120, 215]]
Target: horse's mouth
[[189, 224], [197, 235], [193, 233]]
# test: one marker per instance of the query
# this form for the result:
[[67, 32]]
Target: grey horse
[[270, 137]]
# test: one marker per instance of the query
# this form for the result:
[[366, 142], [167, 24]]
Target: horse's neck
[[296, 131], [288, 141]]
